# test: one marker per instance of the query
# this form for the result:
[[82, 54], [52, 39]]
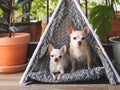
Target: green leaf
[[105, 11], [23, 15], [22, 2], [4, 2], [18, 28], [103, 29], [100, 18], [2, 29], [2, 20], [21, 28], [96, 21], [5, 7], [118, 1]]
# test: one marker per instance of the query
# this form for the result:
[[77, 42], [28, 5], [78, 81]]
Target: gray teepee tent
[[68, 12]]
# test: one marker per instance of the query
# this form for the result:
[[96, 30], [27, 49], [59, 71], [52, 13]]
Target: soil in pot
[[117, 39]]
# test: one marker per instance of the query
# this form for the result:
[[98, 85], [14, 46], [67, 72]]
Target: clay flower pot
[[13, 52]]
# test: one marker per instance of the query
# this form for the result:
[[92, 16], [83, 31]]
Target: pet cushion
[[41, 73]]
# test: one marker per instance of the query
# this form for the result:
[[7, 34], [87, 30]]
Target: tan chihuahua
[[59, 61], [79, 49]]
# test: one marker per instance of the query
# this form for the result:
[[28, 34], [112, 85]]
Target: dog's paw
[[89, 68], [72, 71], [54, 77], [59, 77]]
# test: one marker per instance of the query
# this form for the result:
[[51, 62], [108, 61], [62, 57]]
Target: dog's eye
[[52, 55], [83, 38], [74, 38], [60, 56]]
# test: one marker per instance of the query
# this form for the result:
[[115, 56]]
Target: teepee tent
[[68, 12]]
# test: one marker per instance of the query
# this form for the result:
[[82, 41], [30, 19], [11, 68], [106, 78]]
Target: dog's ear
[[63, 49], [70, 30], [86, 30], [50, 48]]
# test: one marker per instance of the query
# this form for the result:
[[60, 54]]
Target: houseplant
[[115, 41], [13, 46], [101, 17]]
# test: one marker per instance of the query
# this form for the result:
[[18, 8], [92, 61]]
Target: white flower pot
[[116, 51]]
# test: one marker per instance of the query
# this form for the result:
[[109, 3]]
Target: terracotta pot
[[115, 28], [13, 69], [13, 50]]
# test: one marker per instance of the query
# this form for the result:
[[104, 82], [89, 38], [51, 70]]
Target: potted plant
[[115, 40], [13, 46], [101, 17]]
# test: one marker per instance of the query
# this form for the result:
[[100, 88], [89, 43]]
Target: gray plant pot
[[116, 52]]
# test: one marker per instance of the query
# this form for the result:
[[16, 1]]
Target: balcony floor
[[11, 82]]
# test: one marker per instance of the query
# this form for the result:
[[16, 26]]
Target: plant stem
[[12, 16], [47, 11]]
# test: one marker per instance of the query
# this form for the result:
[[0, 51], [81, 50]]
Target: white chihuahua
[[59, 61], [79, 49]]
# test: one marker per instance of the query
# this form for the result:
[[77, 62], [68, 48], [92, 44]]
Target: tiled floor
[[11, 82]]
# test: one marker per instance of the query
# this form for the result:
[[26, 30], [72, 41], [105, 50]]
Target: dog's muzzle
[[79, 43], [56, 59]]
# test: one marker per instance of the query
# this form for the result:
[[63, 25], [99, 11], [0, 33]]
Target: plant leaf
[[18, 28], [13, 29], [2, 29], [4, 2], [21, 28], [118, 1], [103, 29], [23, 15], [22, 2], [2, 20], [96, 21], [100, 18], [4, 5]]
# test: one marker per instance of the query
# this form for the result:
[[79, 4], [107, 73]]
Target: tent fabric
[[68, 12]]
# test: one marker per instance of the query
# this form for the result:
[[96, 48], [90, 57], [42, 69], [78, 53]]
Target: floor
[[11, 82]]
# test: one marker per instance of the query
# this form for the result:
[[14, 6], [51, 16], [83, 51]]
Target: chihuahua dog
[[59, 61], [79, 49]]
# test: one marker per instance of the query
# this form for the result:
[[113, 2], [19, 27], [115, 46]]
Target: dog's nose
[[79, 43], [56, 59]]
